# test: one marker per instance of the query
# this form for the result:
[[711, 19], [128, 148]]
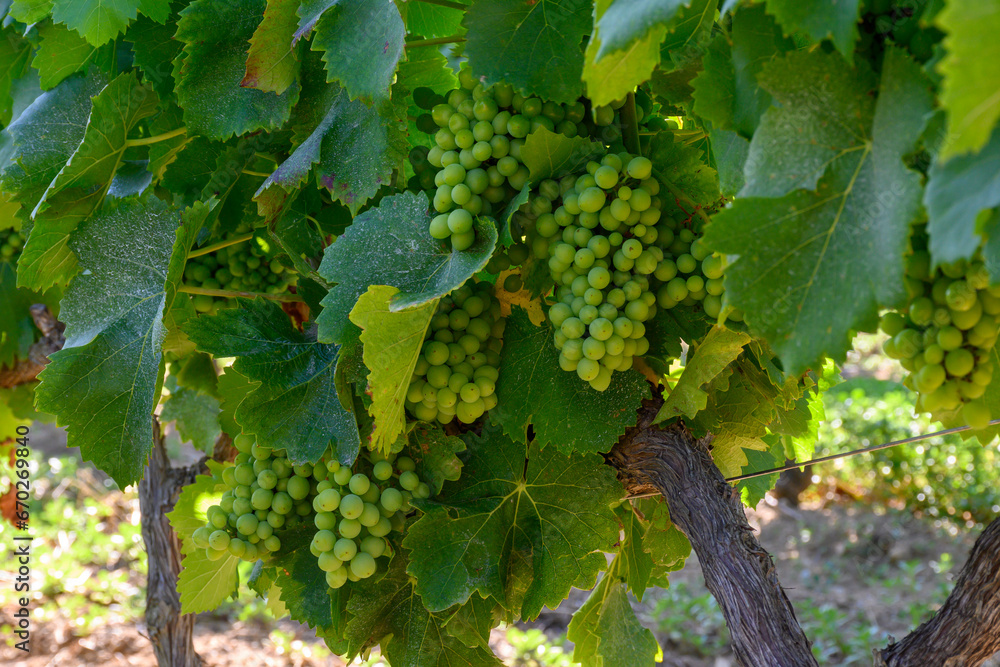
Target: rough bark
[[738, 571], [26, 370], [966, 630], [170, 631]]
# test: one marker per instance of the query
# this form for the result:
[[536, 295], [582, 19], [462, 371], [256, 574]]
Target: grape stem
[[630, 125], [681, 197], [445, 3], [435, 42], [188, 289], [259, 174], [156, 138], [220, 245]]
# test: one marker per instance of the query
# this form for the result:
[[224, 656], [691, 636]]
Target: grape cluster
[[475, 167], [247, 266], [265, 492], [689, 273], [356, 511], [456, 372], [599, 232], [945, 335], [11, 242]]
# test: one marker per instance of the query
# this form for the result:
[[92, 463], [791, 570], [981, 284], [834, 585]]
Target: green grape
[[344, 549], [351, 506], [363, 565]]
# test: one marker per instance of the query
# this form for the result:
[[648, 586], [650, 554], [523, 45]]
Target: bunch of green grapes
[[945, 335], [247, 266], [475, 165], [456, 372], [265, 492], [599, 231], [356, 510], [11, 242], [689, 273]]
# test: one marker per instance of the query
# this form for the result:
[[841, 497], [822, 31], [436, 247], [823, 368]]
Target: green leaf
[[666, 545], [472, 622], [426, 66], [719, 348], [814, 266], [80, 187], [820, 19], [729, 153], [634, 563], [62, 52], [203, 584], [389, 245], [352, 146], [563, 409], [304, 590], [549, 154], [687, 35], [626, 21], [606, 632], [726, 91], [29, 11], [614, 74], [215, 37], [196, 416], [435, 454], [553, 514], [154, 49], [670, 326], [45, 135], [684, 168], [101, 20], [430, 21], [361, 42], [232, 389], [103, 385], [390, 613], [534, 46], [753, 490], [957, 193], [272, 64], [392, 343], [970, 68], [296, 405]]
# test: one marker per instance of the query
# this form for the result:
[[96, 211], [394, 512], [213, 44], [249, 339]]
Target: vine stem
[[259, 174], [156, 138], [679, 194], [446, 3], [435, 42], [188, 289], [220, 245], [630, 125]]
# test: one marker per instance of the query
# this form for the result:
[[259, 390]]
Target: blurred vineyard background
[[867, 549]]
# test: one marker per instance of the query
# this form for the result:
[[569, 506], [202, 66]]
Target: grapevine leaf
[[272, 64], [957, 193], [820, 19], [970, 68], [815, 265], [472, 622], [390, 608], [635, 563], [80, 187], [534, 46], [232, 389], [304, 590], [164, 153], [103, 384], [670, 326], [553, 513], [614, 74], [665, 544], [685, 169], [17, 329], [361, 42], [101, 20], [295, 407], [503, 221], [389, 245], [392, 342], [719, 348], [203, 584], [563, 409], [354, 147], [426, 66], [687, 34], [196, 415], [626, 21], [812, 130], [62, 52], [605, 630], [45, 135], [549, 154], [430, 21], [726, 91], [436, 455], [29, 11], [753, 490], [730, 152], [154, 50], [215, 37]]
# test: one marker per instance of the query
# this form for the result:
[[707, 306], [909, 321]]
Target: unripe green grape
[[359, 484], [363, 565], [351, 506], [460, 242], [369, 516]]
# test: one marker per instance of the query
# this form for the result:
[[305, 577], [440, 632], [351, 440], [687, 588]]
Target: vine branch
[[220, 245], [156, 138], [26, 370], [189, 289], [454, 39], [630, 125]]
